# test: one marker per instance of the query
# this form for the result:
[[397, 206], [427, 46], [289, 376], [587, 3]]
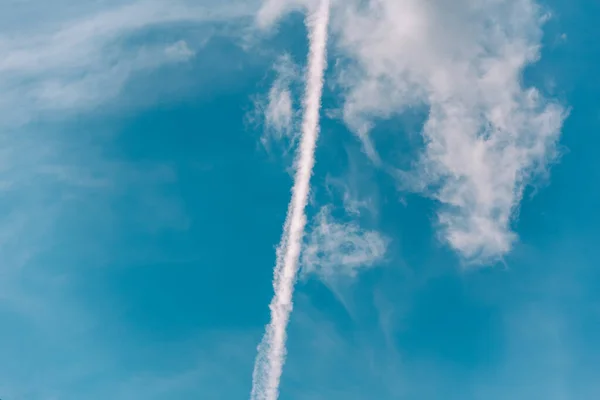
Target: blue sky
[[147, 152]]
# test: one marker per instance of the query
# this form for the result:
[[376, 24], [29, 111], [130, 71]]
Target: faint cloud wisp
[[83, 60], [336, 248], [279, 114]]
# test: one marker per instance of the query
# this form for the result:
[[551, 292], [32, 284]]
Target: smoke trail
[[271, 351]]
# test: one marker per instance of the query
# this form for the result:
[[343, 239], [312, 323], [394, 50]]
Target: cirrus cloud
[[83, 58]]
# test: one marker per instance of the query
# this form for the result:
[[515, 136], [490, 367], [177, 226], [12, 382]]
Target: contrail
[[271, 351]]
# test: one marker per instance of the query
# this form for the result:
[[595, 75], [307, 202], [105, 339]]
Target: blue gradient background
[[143, 270]]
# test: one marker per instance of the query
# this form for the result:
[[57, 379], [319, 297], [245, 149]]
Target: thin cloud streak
[[77, 60], [271, 351]]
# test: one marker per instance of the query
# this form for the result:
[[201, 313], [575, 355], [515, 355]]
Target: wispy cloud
[[486, 133], [337, 249], [272, 10], [60, 184], [278, 108], [271, 352], [66, 194], [356, 188], [83, 58], [66, 58]]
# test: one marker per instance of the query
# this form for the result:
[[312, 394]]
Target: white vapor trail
[[271, 351]]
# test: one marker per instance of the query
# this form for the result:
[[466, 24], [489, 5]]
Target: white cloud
[[336, 248], [279, 113], [486, 134], [70, 56], [84, 55], [180, 51], [279, 110], [272, 10]]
